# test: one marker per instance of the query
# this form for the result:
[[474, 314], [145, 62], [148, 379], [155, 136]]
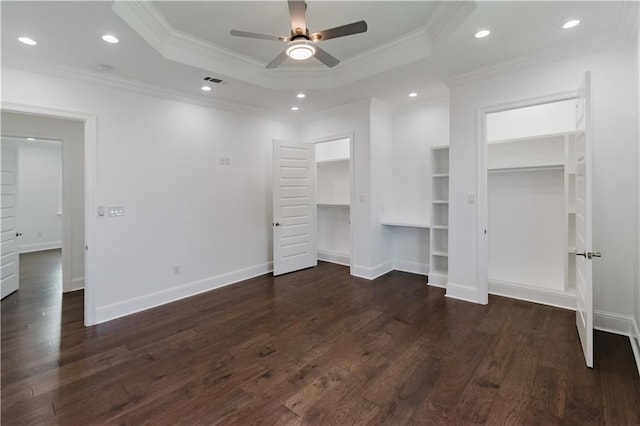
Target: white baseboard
[[371, 273], [635, 342], [438, 280], [141, 303], [613, 323], [30, 248], [462, 292], [334, 257], [77, 284], [559, 299], [411, 267]]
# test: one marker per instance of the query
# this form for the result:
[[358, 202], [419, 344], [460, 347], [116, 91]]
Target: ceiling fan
[[302, 45]]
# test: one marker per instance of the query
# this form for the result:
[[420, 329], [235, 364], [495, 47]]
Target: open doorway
[[50, 206], [334, 189], [530, 157]]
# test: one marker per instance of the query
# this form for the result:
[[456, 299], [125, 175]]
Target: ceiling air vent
[[213, 80]]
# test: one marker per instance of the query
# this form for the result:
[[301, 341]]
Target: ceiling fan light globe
[[300, 50]]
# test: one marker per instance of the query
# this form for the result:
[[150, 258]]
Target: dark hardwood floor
[[316, 347]]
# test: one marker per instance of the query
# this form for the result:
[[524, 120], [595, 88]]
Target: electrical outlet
[[115, 211]]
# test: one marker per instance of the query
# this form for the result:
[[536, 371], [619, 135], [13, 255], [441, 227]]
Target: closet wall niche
[[333, 200], [531, 203]]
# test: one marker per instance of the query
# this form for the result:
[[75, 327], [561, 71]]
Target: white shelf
[[533, 138], [334, 161], [440, 253], [405, 224], [439, 227], [532, 168], [333, 204], [571, 210], [440, 175], [440, 201]]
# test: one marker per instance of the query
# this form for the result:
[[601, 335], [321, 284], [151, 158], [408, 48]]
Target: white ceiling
[[410, 46]]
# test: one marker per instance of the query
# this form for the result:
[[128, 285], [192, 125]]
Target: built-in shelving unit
[[439, 237], [532, 218], [333, 201]]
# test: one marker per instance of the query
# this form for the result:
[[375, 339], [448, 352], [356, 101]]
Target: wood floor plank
[[316, 347]]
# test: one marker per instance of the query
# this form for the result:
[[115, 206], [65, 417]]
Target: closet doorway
[[534, 197], [334, 189]]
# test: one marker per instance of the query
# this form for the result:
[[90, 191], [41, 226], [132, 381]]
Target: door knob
[[276, 224]]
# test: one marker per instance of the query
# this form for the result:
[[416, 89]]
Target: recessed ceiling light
[[110, 38], [31, 139], [570, 24], [482, 33], [27, 40], [294, 108], [413, 94], [301, 96], [206, 88]]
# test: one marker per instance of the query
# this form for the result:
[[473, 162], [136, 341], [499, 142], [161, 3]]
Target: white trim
[[148, 301], [90, 185], [76, 284], [371, 273], [463, 292], [613, 323], [418, 268], [438, 280], [544, 58], [635, 342], [334, 257], [559, 299], [30, 248]]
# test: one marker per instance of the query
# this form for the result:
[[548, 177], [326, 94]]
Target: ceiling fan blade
[[277, 60], [344, 30], [247, 34], [297, 10], [325, 58]]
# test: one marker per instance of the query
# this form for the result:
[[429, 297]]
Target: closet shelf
[[571, 210], [440, 175], [532, 168], [334, 161], [439, 226], [333, 204], [440, 253], [405, 224], [440, 201]]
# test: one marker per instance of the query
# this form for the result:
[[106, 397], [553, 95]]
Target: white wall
[[38, 213], [615, 166], [417, 126], [381, 139], [159, 159], [71, 133]]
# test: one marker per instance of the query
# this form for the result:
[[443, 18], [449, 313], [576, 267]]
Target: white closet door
[[294, 207], [584, 254], [10, 266]]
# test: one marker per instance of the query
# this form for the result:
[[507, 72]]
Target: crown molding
[[573, 50], [175, 45], [128, 85], [358, 105], [447, 16]]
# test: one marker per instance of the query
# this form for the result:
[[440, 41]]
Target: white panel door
[[9, 265], [294, 207], [584, 254]]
